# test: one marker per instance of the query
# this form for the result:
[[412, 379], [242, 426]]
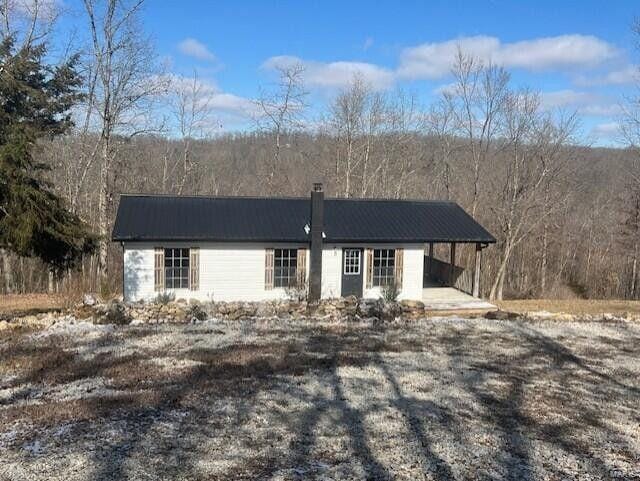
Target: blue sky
[[579, 54]]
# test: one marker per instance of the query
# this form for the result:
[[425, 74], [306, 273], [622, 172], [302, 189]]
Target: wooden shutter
[[194, 268], [301, 272], [399, 261], [268, 269], [369, 268], [158, 271]]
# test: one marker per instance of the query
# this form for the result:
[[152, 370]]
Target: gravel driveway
[[434, 399]]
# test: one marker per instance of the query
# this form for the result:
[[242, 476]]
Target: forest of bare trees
[[566, 216]]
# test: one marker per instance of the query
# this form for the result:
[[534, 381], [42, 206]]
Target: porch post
[[452, 263], [476, 271], [430, 263]]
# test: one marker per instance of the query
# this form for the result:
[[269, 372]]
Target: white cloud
[[607, 129], [233, 104], [601, 110], [625, 75], [207, 93], [193, 48], [434, 60], [335, 74], [368, 43], [449, 88], [585, 103], [565, 98]]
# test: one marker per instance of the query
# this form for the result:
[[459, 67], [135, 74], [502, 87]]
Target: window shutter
[[369, 268], [268, 269], [158, 271], [301, 272], [194, 268], [399, 261]]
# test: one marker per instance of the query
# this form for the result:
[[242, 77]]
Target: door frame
[[344, 275]]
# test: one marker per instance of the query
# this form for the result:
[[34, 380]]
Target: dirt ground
[[572, 306], [450, 399]]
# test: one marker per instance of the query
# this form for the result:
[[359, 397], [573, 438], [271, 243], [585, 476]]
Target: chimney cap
[[317, 186]]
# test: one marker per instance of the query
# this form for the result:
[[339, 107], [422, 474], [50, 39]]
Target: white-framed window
[[285, 267], [176, 268], [384, 265], [352, 258]]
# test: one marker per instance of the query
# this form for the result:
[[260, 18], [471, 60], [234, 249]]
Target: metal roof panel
[[246, 219]]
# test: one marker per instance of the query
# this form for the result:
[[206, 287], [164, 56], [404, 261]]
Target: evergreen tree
[[35, 103]]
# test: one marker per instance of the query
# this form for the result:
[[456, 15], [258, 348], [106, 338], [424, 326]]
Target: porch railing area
[[438, 271]]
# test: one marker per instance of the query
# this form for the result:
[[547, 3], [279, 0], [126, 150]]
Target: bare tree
[[476, 99], [28, 21], [439, 123], [193, 113], [629, 201], [126, 83], [348, 112], [280, 112], [533, 163]]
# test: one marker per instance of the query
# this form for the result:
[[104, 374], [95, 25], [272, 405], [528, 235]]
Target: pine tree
[[35, 103]]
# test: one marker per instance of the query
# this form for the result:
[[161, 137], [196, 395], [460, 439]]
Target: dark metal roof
[[246, 219]]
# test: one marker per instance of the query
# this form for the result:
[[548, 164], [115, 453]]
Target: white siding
[[230, 272], [331, 271], [412, 272], [233, 273], [138, 272], [413, 264]]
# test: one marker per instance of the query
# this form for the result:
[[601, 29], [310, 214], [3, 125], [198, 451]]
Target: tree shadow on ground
[[542, 358], [237, 375]]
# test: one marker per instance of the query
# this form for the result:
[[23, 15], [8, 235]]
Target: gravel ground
[[435, 399]]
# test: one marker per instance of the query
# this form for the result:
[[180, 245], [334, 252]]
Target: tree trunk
[[543, 261], [634, 271], [7, 271], [103, 220], [498, 283]]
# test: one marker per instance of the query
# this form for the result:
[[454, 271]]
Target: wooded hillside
[[577, 248], [566, 216]]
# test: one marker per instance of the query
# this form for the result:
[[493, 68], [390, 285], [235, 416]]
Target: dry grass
[[572, 306], [23, 304], [440, 399], [77, 410]]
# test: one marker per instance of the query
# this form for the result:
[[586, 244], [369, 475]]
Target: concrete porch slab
[[451, 299]]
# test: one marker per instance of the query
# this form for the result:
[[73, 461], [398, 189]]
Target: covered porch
[[447, 286]]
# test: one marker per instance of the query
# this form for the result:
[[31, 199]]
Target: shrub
[[297, 293], [114, 312], [196, 312], [390, 292], [165, 298]]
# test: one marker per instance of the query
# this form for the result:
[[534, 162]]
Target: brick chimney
[[317, 227]]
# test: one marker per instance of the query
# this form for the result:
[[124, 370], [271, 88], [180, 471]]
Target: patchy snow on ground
[[70, 328], [447, 398]]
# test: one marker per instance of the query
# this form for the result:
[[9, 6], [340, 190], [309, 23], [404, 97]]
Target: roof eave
[[305, 240]]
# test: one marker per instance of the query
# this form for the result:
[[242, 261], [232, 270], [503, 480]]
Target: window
[[352, 262], [176, 268], [285, 266], [384, 263]]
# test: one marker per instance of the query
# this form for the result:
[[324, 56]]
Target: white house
[[252, 249]]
